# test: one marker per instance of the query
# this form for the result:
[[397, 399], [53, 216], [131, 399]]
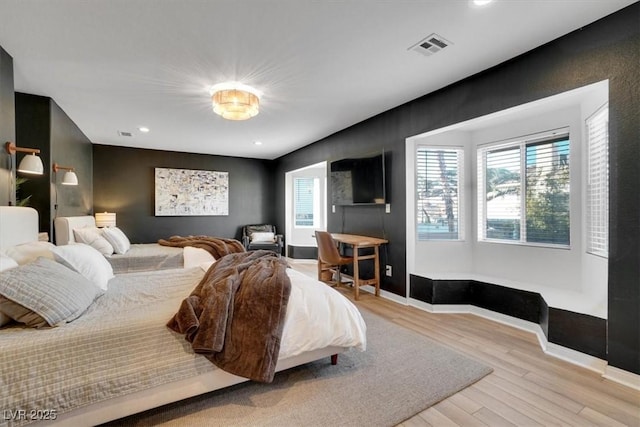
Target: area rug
[[401, 374]]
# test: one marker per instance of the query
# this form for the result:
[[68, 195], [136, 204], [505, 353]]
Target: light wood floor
[[526, 388]]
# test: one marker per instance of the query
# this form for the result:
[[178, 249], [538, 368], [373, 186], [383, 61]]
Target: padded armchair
[[329, 257], [262, 236]]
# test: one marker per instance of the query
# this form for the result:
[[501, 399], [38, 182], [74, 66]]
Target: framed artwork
[[186, 192]]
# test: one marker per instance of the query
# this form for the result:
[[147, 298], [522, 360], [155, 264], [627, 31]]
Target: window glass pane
[[439, 173], [304, 198], [524, 191], [547, 199], [503, 196]]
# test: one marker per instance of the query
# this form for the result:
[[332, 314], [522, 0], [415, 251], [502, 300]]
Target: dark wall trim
[[580, 332], [302, 252]]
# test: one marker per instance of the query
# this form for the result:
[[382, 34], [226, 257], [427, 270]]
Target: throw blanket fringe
[[216, 246], [235, 316]]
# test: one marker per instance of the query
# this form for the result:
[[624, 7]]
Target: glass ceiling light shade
[[69, 177], [105, 219], [235, 101], [29, 164]]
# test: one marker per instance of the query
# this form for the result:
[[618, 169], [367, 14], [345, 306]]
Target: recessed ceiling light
[[257, 142], [481, 2], [143, 129]]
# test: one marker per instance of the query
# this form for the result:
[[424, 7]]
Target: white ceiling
[[322, 65]]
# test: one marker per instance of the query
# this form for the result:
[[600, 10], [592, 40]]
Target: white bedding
[[121, 344], [140, 256]]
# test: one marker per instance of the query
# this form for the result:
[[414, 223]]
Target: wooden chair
[[329, 258]]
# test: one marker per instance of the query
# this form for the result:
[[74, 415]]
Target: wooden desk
[[358, 242]]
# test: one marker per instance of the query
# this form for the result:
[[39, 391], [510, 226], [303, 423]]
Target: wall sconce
[[30, 164], [69, 177], [105, 219]]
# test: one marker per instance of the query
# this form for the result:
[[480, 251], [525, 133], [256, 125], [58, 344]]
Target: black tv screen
[[358, 180]]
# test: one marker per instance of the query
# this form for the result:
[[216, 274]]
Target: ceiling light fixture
[[235, 101], [29, 164], [143, 129], [481, 2]]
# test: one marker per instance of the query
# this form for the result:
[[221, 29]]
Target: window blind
[[598, 182], [524, 191], [439, 176], [303, 201]]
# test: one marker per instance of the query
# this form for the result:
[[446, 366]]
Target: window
[[306, 201], [439, 193], [598, 182], [523, 191]]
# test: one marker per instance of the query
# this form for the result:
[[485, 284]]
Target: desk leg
[[377, 270], [356, 273]]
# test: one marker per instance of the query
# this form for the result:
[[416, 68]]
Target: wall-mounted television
[[358, 180]]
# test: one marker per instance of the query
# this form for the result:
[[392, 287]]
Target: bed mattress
[[121, 344], [147, 257]]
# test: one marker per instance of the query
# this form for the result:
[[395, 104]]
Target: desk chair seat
[[329, 258]]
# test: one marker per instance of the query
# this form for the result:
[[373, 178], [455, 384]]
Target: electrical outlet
[[333, 208], [388, 271], [387, 208]]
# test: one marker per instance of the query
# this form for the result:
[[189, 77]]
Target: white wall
[[443, 257], [567, 278]]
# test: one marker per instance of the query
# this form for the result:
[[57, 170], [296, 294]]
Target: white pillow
[[28, 252], [6, 262], [193, 257], [117, 238], [93, 237], [263, 236], [205, 266], [87, 261]]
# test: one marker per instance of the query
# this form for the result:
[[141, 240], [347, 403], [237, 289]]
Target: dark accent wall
[[42, 124], [70, 147], [7, 126], [607, 49], [124, 184], [377, 133], [33, 127]]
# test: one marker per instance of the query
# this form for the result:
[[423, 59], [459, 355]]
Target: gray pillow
[[50, 290]]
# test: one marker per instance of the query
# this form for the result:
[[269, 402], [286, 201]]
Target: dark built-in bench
[[577, 331]]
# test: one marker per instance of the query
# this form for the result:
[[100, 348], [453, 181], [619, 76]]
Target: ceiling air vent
[[431, 44], [123, 133]]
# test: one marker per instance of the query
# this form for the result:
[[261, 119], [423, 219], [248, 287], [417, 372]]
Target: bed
[[139, 257], [119, 358]]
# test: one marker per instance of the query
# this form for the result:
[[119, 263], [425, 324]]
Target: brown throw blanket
[[216, 246], [235, 316]]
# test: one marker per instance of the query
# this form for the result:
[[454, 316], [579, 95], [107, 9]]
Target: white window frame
[[460, 151], [597, 188], [522, 143]]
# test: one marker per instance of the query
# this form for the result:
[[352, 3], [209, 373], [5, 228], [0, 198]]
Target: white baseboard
[[623, 377], [385, 294], [592, 363]]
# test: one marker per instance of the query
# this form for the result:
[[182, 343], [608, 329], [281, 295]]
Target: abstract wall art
[[186, 192]]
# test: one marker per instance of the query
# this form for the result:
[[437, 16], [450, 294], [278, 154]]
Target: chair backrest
[[327, 250], [256, 228]]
